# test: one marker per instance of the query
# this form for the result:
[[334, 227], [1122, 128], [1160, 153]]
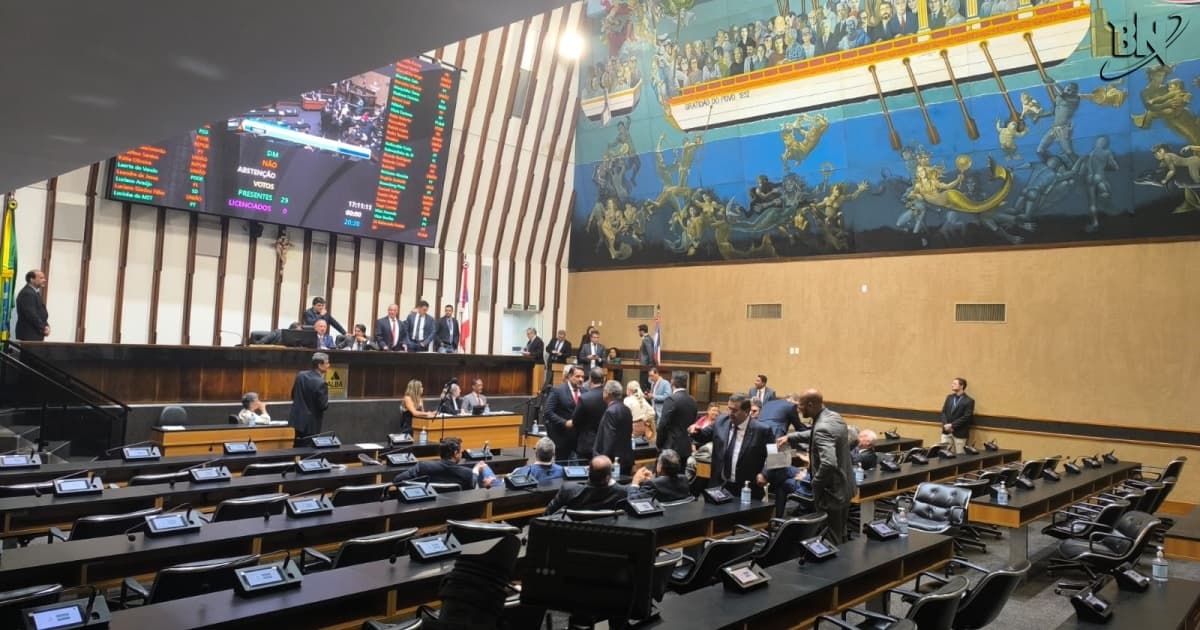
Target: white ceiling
[[82, 81]]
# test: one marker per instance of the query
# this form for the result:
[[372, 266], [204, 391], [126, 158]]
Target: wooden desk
[[1026, 506], [500, 430], [704, 380], [1164, 606], [200, 439]]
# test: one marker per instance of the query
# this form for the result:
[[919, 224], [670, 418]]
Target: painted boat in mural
[[617, 103], [1032, 37]]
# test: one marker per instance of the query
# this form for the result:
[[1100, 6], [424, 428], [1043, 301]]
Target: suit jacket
[[664, 489], [428, 333], [471, 400], [780, 415], [441, 471], [536, 348], [558, 408], [448, 332], [829, 461], [576, 496], [585, 350], [885, 30], [751, 459], [678, 413], [541, 472], [646, 351], [586, 421], [910, 23], [559, 356], [959, 416], [614, 435], [347, 343], [310, 399], [31, 315], [326, 342], [450, 406], [311, 317], [383, 334], [768, 393]]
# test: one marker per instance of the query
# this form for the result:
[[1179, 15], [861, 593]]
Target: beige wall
[[1103, 335]]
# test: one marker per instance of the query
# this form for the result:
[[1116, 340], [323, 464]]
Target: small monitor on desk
[[20, 461], [478, 410], [306, 338]]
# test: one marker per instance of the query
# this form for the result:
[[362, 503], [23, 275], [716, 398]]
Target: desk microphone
[[287, 559], [87, 614], [129, 533], [487, 454], [333, 433], [206, 464], [304, 459], [142, 443], [37, 490]]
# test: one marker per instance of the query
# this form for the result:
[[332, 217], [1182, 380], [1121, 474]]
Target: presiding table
[[200, 439], [500, 429]]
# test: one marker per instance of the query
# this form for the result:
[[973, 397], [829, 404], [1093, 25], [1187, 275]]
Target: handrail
[[63, 375]]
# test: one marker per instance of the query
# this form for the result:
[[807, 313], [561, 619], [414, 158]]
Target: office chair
[[233, 419], [267, 468], [255, 506], [474, 531], [694, 573], [931, 611], [983, 602], [782, 542], [1079, 521], [358, 550], [355, 495], [14, 601], [157, 478], [100, 525], [172, 414], [971, 534], [411, 624], [1104, 550], [591, 515], [939, 508], [683, 501], [186, 580], [1145, 473], [26, 489], [437, 486]]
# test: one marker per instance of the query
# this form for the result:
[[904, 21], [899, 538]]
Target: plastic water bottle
[[1002, 495], [902, 521], [424, 437], [746, 494], [859, 474], [535, 429], [1158, 567], [616, 467]]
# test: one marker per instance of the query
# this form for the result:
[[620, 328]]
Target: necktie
[[954, 404], [395, 333], [575, 395], [419, 329]]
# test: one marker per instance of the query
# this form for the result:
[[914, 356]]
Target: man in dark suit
[[833, 483], [668, 485], [421, 329], [591, 354], [324, 339], [614, 433], [534, 348], [887, 26], [589, 410], [559, 408], [452, 404], [358, 341], [780, 415], [319, 312], [678, 413], [600, 492], [389, 330], [446, 470], [310, 398], [739, 450], [760, 389], [646, 347], [32, 319], [906, 15], [958, 412], [448, 333], [557, 352]]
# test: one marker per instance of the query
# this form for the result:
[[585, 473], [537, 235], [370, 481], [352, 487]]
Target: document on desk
[[173, 427], [778, 458], [369, 446]]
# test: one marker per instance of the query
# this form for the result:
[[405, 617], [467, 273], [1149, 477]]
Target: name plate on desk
[[266, 578], [32, 460], [818, 549], [880, 530], [75, 487], [416, 494], [433, 548], [575, 472], [744, 576], [401, 459], [642, 508], [520, 481]]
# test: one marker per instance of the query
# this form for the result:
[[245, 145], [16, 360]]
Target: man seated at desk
[[324, 339], [543, 466], [358, 341], [668, 485], [254, 410], [475, 399], [601, 492], [863, 452], [448, 469], [452, 404]]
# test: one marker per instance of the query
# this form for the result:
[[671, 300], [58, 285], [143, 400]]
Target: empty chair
[[437, 486], [101, 525], [694, 573], [982, 603], [354, 495], [1080, 522], [14, 601], [233, 419], [931, 611], [256, 506], [1103, 550], [172, 414], [475, 531], [186, 580], [358, 550], [971, 534], [26, 489], [157, 478], [939, 508], [268, 468], [1145, 473], [782, 542]]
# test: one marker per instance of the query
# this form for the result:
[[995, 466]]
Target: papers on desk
[[369, 446], [276, 423], [777, 458], [173, 427]]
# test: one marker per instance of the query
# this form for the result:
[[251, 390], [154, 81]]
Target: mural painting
[[782, 129]]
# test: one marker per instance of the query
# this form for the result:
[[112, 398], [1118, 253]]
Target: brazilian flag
[[8, 266]]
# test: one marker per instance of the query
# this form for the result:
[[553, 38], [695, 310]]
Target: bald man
[[829, 461], [599, 493], [389, 330]]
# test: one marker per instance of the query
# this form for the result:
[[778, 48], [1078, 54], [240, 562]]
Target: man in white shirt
[[254, 410]]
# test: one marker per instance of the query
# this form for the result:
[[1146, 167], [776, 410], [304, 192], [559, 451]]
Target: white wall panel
[[172, 278], [289, 294], [102, 272], [139, 274], [263, 292], [237, 256]]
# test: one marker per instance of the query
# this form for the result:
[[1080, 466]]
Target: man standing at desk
[[781, 414], [592, 354], [614, 433], [833, 481], [958, 413], [559, 409], [32, 319], [448, 333], [739, 450], [535, 348], [310, 398], [389, 330]]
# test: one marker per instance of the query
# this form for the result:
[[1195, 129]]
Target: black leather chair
[[699, 572], [436, 486], [26, 489], [782, 541], [411, 624], [474, 531], [1105, 549], [358, 550], [355, 495], [1145, 473], [683, 501], [983, 602], [268, 468], [970, 535], [172, 414], [1079, 521], [930, 611], [99, 525], [14, 601], [591, 515], [157, 478], [256, 506], [185, 580], [939, 508]]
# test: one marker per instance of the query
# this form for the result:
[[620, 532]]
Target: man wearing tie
[[560, 407], [534, 347], [739, 450], [958, 412], [389, 333], [760, 391], [592, 353], [324, 340], [421, 329], [448, 333], [358, 341]]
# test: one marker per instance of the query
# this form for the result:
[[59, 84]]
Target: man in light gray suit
[[832, 471]]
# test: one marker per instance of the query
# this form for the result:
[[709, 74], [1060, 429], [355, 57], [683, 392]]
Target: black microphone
[[487, 454], [87, 614], [123, 446], [129, 532], [287, 559], [333, 433], [171, 483], [37, 490]]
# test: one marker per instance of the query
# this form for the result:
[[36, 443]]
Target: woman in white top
[[643, 411], [254, 410]]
